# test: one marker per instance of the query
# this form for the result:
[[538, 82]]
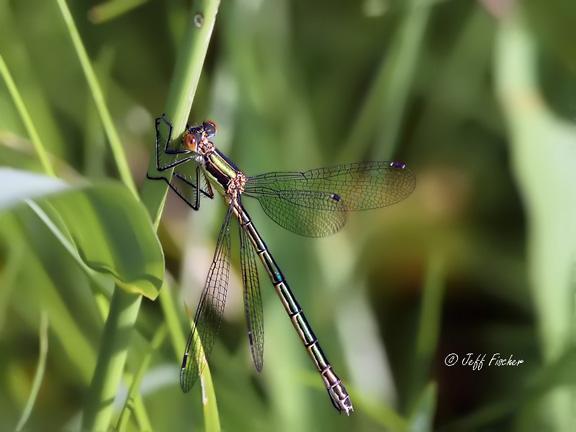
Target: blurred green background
[[478, 97]]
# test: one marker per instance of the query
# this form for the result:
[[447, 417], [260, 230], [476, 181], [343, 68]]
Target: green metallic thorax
[[219, 170]]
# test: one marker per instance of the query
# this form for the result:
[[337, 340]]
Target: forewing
[[209, 312], [252, 299], [359, 186]]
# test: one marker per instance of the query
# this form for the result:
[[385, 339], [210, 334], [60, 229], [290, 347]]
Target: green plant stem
[[110, 10], [39, 375], [141, 415], [96, 91], [172, 321], [124, 309], [182, 90], [26, 119], [543, 159], [384, 107], [429, 323], [184, 83], [157, 340]]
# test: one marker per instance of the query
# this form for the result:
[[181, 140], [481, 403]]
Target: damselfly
[[312, 203]]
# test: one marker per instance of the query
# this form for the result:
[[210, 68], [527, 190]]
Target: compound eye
[[209, 128], [190, 141]]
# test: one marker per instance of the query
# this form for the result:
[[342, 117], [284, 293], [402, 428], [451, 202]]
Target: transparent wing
[[313, 202], [308, 213], [209, 312], [252, 299], [360, 186]]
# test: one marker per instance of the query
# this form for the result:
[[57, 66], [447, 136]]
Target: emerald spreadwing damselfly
[[312, 203]]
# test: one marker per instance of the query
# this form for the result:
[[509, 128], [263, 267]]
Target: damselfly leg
[[187, 180]]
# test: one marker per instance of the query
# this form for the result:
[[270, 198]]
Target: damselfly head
[[209, 128], [398, 165]]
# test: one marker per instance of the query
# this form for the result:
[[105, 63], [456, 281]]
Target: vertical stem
[[388, 96], [39, 375], [186, 76], [189, 64], [172, 322], [98, 95], [25, 115], [124, 309], [134, 389]]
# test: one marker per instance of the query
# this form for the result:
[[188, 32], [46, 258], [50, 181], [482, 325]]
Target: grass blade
[[110, 10], [140, 414], [429, 324], [189, 66], [124, 309], [39, 375], [422, 419], [26, 119], [182, 90], [543, 154], [96, 91], [157, 340], [388, 95]]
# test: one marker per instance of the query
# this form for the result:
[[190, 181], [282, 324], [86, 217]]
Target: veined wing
[[360, 186], [314, 202], [252, 299], [209, 312], [308, 213]]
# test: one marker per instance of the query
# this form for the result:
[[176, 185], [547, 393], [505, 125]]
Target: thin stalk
[[39, 375], [124, 417], [430, 320], [172, 322], [11, 267], [95, 140], [118, 328], [109, 10], [141, 415], [137, 404], [26, 119], [186, 76], [182, 90], [383, 110], [124, 307], [96, 91]]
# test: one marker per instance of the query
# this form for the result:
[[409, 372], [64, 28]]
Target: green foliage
[[477, 97], [110, 232]]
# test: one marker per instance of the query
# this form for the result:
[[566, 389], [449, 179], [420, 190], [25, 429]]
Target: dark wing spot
[[399, 165]]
